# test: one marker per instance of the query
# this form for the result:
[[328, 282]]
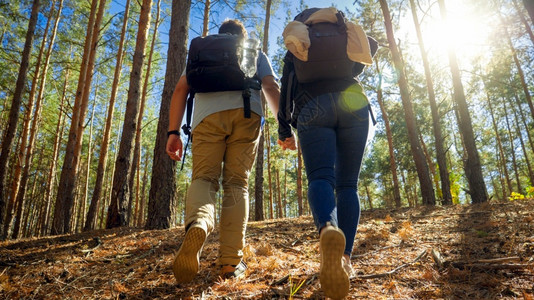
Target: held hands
[[174, 147], [288, 143]]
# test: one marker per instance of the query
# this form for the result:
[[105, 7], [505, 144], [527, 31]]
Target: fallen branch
[[483, 266], [281, 280], [380, 275], [98, 244]]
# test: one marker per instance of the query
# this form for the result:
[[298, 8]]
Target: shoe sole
[[334, 280], [186, 263]]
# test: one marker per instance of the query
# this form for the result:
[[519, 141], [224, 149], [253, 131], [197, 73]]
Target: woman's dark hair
[[233, 27]]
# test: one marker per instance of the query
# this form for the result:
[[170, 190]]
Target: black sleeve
[[284, 114], [373, 44]]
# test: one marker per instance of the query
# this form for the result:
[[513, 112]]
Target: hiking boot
[[347, 266], [233, 271], [186, 263], [333, 277]]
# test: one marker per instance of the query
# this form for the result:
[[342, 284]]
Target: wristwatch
[[176, 132]]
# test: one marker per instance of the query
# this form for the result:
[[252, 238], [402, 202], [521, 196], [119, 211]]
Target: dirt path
[[458, 252]]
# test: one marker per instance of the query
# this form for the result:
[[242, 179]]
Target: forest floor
[[456, 252]]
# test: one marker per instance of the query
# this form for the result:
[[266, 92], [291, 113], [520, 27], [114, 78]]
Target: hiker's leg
[[353, 126], [238, 161], [317, 138], [208, 148]]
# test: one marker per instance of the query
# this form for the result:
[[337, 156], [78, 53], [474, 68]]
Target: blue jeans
[[332, 130]]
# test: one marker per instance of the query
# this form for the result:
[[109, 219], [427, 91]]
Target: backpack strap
[[187, 126]]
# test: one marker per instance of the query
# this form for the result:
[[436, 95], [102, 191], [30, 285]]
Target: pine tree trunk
[[90, 150], [425, 182], [369, 200], [118, 208], [21, 160], [258, 181], [524, 122], [270, 180], [500, 147], [299, 181], [520, 71], [206, 20], [524, 21], [281, 208], [473, 170], [14, 112], [90, 220], [65, 199], [512, 149], [35, 120], [523, 148], [389, 135], [137, 147], [529, 5], [43, 221], [142, 200], [430, 164], [445, 194], [162, 195]]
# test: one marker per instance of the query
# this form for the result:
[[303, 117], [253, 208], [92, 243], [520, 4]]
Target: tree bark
[[118, 208], [473, 168], [43, 221], [35, 121], [512, 149], [14, 111], [299, 181], [500, 148], [162, 195], [520, 71], [142, 201], [22, 153], [389, 135], [138, 133], [446, 196], [525, 124], [67, 181], [524, 21], [206, 21], [522, 142], [269, 178], [427, 191], [529, 5], [90, 221], [258, 181]]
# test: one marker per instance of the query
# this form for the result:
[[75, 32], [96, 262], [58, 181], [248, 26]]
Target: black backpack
[[328, 62], [327, 55], [213, 64]]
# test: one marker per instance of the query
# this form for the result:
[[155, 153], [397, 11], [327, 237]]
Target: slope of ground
[[457, 252]]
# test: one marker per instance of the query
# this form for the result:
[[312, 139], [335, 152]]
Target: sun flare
[[466, 29]]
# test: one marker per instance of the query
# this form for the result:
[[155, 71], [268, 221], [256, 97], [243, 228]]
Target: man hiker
[[226, 126]]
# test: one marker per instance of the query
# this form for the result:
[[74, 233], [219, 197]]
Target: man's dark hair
[[233, 27]]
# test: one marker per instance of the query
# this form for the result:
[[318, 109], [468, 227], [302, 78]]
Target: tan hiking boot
[[187, 261], [237, 271], [347, 266], [333, 277]]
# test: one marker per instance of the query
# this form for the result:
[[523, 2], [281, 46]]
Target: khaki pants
[[223, 142]]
